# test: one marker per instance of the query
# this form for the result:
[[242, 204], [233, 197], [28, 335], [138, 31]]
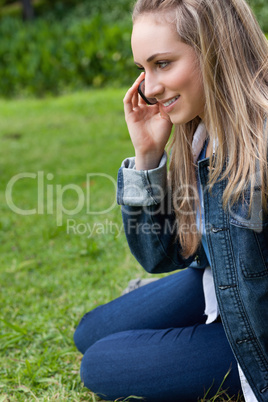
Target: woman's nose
[[153, 87]]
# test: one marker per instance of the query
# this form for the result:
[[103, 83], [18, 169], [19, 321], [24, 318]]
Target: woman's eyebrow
[[157, 55], [154, 56]]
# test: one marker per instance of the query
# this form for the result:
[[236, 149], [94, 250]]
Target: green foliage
[[71, 44], [60, 8], [111, 11], [50, 57], [260, 8]]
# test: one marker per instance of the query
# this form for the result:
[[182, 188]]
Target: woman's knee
[[94, 373], [84, 335], [93, 326]]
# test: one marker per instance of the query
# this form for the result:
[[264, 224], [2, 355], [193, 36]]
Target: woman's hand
[[148, 128]]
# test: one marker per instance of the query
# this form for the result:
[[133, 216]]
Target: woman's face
[[172, 72]]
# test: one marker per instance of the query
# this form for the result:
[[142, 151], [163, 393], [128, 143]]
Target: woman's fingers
[[131, 99], [135, 100], [141, 101]]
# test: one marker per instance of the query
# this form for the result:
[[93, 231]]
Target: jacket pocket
[[249, 231]]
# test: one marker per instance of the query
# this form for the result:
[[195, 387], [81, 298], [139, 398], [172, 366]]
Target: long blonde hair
[[233, 55]]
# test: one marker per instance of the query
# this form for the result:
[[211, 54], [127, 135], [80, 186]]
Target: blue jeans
[[154, 343]]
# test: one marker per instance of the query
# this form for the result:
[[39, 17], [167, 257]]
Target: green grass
[[49, 277]]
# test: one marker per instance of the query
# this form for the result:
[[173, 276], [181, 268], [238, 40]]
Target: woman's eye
[[140, 68], [162, 64]]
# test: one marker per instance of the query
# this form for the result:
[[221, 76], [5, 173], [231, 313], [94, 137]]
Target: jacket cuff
[[141, 187]]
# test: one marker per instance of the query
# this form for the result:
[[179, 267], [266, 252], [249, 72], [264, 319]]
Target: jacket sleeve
[[148, 217]]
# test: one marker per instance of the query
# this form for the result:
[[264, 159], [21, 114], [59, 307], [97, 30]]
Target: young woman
[[205, 70]]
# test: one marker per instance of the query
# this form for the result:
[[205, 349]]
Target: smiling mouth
[[171, 101]]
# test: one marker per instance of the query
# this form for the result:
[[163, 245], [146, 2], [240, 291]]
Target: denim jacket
[[238, 247]]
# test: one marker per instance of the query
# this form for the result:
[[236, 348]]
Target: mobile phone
[[141, 90]]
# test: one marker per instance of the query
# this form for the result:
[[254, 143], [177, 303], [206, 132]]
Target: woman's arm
[[148, 217]]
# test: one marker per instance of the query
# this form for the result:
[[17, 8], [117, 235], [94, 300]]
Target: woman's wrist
[[148, 161]]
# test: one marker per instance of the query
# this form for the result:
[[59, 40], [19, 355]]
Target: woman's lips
[[168, 105]]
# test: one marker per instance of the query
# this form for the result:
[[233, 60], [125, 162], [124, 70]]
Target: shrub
[[50, 57], [71, 45], [260, 8]]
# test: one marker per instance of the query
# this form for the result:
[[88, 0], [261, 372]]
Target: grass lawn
[[58, 259]]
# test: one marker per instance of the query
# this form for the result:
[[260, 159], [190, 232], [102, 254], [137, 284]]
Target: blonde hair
[[233, 55]]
